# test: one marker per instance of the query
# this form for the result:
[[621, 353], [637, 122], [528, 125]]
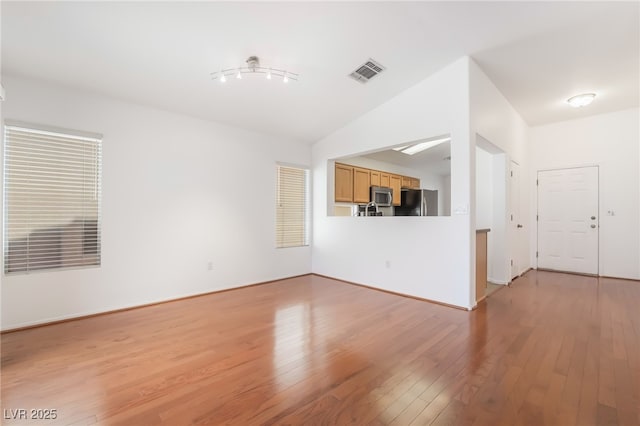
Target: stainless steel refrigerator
[[417, 202]]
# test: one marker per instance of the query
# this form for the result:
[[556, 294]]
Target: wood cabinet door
[[406, 182], [385, 179], [361, 184], [395, 184], [415, 183], [344, 183], [375, 177], [481, 264]]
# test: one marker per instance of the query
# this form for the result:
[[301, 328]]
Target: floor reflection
[[293, 335], [315, 351]]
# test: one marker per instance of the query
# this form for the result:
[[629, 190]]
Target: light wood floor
[[551, 349]]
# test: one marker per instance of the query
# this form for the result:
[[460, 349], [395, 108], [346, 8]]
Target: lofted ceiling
[[436, 159], [161, 54]]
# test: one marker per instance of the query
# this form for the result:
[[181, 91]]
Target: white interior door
[[515, 224], [568, 221]]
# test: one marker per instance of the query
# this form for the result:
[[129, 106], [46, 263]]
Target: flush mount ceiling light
[[253, 68], [581, 100], [421, 146]]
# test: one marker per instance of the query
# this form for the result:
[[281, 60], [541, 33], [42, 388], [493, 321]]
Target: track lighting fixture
[[253, 68]]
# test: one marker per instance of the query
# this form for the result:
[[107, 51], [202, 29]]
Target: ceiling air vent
[[367, 71]]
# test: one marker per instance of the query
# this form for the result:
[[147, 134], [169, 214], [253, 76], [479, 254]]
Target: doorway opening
[[491, 210]]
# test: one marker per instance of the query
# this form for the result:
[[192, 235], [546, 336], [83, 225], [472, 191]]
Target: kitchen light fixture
[[421, 146], [253, 68], [581, 100]]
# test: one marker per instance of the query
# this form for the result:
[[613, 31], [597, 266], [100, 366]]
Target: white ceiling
[[436, 160], [161, 54]]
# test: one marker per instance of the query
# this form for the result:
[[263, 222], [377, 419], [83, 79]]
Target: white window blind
[[52, 190], [292, 207]]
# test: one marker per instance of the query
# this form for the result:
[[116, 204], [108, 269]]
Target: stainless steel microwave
[[382, 196]]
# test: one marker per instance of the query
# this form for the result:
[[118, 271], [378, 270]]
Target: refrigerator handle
[[424, 205]]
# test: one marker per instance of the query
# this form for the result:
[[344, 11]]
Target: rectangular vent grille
[[367, 71]]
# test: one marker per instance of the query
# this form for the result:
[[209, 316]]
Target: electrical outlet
[[210, 266], [387, 263]]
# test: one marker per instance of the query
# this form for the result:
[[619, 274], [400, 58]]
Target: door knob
[[593, 218], [593, 226]]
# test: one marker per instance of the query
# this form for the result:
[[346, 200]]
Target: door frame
[[551, 169], [514, 250]]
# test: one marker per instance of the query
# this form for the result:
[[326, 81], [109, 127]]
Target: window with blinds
[[292, 207], [52, 189]]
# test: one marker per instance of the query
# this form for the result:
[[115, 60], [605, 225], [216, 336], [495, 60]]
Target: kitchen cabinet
[[352, 184], [406, 182], [375, 177], [395, 184], [344, 183], [410, 182], [361, 184], [385, 179]]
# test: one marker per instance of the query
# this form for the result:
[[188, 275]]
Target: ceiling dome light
[[253, 68], [581, 100]]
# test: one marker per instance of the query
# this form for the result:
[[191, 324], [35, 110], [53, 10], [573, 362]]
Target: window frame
[[306, 205], [63, 133]]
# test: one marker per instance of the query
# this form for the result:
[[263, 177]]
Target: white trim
[[577, 166], [53, 130]]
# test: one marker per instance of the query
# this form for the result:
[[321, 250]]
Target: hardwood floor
[[552, 349]]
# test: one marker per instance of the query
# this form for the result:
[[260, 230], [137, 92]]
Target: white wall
[[491, 209], [499, 270], [428, 257], [177, 193], [494, 119], [484, 189], [485, 202], [446, 196], [610, 141]]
